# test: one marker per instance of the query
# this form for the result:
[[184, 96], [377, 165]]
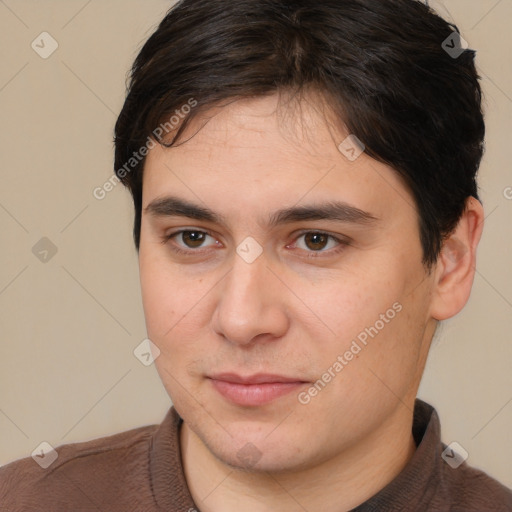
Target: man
[[306, 213]]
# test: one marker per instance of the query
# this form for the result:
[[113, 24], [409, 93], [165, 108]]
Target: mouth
[[254, 390]]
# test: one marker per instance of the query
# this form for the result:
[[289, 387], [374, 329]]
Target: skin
[[293, 310]]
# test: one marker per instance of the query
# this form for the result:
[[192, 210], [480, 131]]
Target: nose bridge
[[249, 303], [244, 291]]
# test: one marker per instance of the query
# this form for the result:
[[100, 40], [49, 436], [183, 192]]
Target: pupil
[[316, 241], [193, 238]]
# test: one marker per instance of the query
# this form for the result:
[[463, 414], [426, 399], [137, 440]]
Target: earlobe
[[455, 268]]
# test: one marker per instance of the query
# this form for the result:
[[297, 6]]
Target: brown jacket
[[140, 470]]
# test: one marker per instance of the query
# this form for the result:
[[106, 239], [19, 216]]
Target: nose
[[251, 304]]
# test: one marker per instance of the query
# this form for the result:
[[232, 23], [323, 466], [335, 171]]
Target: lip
[[254, 390]]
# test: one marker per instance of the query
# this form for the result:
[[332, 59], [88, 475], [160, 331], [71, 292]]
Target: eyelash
[[342, 243]]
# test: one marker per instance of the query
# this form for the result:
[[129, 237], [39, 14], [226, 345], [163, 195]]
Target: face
[[283, 284]]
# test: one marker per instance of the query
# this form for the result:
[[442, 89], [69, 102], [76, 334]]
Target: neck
[[339, 484]]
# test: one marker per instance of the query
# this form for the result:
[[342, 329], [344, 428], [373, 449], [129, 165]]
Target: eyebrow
[[340, 211]]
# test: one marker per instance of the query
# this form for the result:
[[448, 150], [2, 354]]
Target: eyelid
[[169, 236], [342, 242], [337, 236]]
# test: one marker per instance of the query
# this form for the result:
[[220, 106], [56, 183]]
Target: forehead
[[275, 126], [260, 153]]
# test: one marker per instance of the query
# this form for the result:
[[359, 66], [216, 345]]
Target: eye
[[188, 240], [315, 242]]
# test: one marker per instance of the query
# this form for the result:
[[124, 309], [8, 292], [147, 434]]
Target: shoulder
[[470, 489], [443, 481], [87, 472]]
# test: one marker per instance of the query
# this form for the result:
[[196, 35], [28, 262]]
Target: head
[[304, 182]]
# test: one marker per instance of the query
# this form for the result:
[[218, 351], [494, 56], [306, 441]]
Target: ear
[[456, 265]]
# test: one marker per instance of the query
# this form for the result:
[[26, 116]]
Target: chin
[[255, 441], [253, 460], [253, 451]]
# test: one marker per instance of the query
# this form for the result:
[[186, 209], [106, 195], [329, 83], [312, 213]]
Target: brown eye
[[316, 241], [191, 242], [193, 239]]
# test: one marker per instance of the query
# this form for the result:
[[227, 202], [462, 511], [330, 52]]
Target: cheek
[[381, 361], [177, 312], [158, 297], [168, 296], [375, 324], [171, 322], [347, 303]]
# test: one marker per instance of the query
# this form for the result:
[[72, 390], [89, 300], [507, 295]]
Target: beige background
[[69, 326]]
